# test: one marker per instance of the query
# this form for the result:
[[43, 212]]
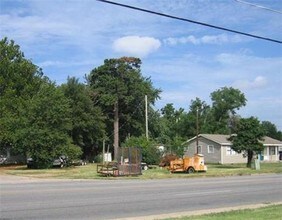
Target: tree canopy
[[42, 120], [271, 130], [88, 126], [34, 114], [249, 135], [119, 88]]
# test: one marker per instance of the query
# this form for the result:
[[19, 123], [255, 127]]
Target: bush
[[150, 153]]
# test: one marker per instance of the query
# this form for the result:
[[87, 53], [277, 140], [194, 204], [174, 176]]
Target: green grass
[[79, 172], [272, 212], [90, 172]]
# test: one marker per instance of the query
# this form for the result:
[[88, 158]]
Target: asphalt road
[[113, 199]]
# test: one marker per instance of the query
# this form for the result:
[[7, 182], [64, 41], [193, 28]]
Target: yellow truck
[[188, 164]]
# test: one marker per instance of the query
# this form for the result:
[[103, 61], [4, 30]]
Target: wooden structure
[[128, 164]]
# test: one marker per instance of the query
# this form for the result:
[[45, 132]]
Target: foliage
[[170, 135], [34, 117], [119, 89], [42, 120], [150, 152], [44, 136], [87, 121], [271, 130], [225, 102], [249, 133], [176, 146], [19, 81], [189, 121]]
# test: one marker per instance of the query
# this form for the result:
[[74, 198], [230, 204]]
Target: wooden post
[[146, 116]]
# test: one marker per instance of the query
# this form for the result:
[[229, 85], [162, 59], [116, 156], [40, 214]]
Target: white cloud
[[207, 39], [136, 46], [181, 40], [257, 83], [51, 63]]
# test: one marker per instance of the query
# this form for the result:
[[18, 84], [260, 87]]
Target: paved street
[[111, 199]]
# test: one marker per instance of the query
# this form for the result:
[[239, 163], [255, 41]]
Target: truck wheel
[[190, 170]]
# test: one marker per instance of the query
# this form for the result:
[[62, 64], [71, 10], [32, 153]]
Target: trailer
[[128, 164], [188, 164]]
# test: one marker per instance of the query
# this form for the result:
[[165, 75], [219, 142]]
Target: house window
[[271, 150], [210, 149], [199, 149], [230, 151]]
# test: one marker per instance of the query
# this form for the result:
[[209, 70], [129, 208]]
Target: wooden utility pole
[[146, 116], [103, 152], [116, 130], [197, 130]]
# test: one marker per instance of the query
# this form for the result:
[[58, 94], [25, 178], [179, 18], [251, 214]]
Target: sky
[[185, 60]]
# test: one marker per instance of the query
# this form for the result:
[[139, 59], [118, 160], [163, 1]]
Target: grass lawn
[[272, 212], [90, 172]]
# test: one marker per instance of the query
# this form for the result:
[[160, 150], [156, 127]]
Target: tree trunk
[[250, 158], [116, 130]]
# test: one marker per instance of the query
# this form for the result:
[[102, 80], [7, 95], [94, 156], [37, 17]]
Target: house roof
[[223, 139], [268, 141]]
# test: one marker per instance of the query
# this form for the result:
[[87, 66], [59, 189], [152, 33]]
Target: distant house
[[218, 149]]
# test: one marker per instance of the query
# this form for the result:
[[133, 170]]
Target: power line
[[258, 6], [188, 20]]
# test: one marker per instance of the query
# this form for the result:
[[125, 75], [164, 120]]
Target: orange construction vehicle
[[188, 164]]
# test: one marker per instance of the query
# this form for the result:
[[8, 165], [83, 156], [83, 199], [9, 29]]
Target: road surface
[[117, 199]]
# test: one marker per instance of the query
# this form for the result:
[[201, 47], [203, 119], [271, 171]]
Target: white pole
[[103, 152], [146, 116]]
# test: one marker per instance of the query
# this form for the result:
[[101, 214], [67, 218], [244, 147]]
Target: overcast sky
[[185, 60]]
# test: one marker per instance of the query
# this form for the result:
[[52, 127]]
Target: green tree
[[150, 152], [20, 79], [172, 125], [44, 133], [249, 135], [271, 130], [200, 109], [225, 102], [88, 128], [119, 89], [34, 114]]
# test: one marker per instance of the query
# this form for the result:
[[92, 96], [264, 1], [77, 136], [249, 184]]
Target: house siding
[[268, 155], [223, 154], [214, 157], [235, 158]]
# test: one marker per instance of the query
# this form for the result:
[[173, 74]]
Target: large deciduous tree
[[120, 88], [201, 112], [225, 102], [88, 128], [43, 134], [20, 79], [172, 122], [249, 134], [271, 130], [34, 114]]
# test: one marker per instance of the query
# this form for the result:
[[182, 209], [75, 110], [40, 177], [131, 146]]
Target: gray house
[[217, 149]]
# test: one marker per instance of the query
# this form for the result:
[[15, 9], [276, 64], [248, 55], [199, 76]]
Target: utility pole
[[197, 130], [146, 116], [103, 152], [116, 130]]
